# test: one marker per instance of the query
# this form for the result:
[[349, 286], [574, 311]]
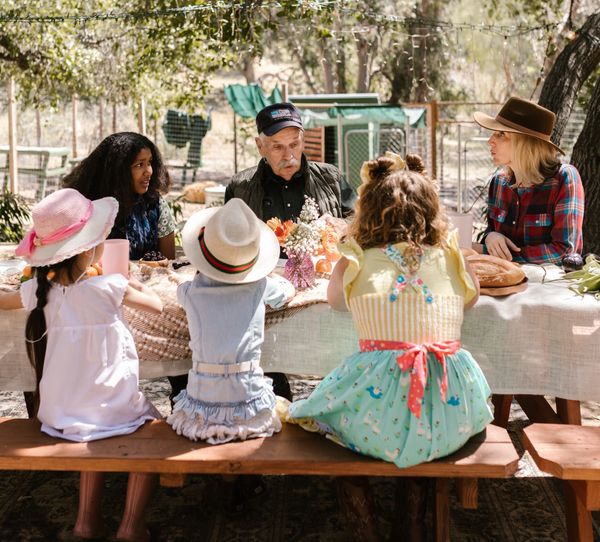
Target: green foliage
[[14, 215], [115, 48]]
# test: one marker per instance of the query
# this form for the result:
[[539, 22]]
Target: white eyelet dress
[[89, 387]]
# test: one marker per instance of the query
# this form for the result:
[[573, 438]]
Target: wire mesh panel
[[368, 143], [464, 162]]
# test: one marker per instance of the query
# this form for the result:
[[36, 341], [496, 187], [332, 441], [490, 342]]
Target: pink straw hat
[[65, 224]]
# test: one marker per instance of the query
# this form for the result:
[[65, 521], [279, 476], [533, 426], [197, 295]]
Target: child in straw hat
[[80, 347], [227, 396]]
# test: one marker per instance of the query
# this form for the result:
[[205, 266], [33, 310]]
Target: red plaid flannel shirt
[[545, 220]]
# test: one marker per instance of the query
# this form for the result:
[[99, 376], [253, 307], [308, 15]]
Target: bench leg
[[467, 492], [579, 519], [354, 498], [410, 510], [501, 409], [442, 510]]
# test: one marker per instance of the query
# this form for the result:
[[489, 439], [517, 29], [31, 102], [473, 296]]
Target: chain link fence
[[464, 165]]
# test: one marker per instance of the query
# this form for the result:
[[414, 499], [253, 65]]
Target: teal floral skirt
[[362, 404]]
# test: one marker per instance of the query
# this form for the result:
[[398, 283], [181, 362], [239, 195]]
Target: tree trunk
[[248, 68], [340, 58], [572, 67], [586, 158], [362, 56], [327, 67], [298, 52]]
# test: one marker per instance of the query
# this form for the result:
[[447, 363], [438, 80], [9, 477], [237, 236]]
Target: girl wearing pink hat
[[80, 346]]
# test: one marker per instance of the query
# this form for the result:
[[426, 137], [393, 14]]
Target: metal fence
[[463, 165]]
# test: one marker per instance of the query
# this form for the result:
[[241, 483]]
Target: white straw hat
[[66, 223], [230, 244]]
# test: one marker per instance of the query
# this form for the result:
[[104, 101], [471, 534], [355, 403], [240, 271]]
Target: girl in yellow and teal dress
[[411, 394]]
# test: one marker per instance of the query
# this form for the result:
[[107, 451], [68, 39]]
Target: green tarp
[[248, 100], [380, 114]]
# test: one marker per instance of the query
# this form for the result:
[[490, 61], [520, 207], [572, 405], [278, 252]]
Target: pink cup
[[116, 257], [463, 222]]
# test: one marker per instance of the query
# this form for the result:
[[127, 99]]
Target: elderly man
[[277, 186]]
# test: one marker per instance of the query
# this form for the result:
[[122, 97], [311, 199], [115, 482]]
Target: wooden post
[[114, 117], [235, 153], [13, 167], [142, 116], [432, 121], [101, 118], [284, 92], [340, 144], [74, 125]]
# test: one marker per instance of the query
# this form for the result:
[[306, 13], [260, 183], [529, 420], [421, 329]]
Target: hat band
[[31, 240], [526, 131], [218, 264]]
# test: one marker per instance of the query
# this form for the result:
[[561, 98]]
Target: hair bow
[[398, 165]]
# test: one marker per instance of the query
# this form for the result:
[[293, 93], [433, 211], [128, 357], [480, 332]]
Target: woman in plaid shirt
[[535, 203]]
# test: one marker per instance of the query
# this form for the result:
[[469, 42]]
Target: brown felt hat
[[522, 117]]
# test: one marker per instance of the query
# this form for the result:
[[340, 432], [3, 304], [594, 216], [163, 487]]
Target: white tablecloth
[[544, 341]]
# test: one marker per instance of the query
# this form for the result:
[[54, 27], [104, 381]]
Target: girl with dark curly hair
[[129, 167]]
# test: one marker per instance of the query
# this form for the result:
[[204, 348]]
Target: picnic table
[[542, 342], [42, 162]]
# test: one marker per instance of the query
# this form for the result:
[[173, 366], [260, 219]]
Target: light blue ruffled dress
[[226, 323], [392, 400]]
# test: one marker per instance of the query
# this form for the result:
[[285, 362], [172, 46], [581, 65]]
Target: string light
[[508, 31]]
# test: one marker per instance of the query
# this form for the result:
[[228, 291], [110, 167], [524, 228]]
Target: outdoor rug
[[37, 506]]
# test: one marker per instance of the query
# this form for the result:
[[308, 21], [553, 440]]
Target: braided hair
[[35, 327]]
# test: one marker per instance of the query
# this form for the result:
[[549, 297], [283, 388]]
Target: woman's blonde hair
[[532, 159], [399, 205]]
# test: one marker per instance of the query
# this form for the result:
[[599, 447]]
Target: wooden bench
[[571, 453], [52, 162], [157, 448]]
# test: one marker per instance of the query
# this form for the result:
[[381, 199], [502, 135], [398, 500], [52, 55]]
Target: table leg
[[29, 397], [569, 411], [537, 409], [501, 409]]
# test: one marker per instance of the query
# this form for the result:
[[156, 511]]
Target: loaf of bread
[[495, 272], [468, 252], [194, 192]]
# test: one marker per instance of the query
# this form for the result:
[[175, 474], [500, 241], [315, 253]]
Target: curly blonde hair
[[399, 206]]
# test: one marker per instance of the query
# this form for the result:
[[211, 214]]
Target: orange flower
[[280, 229], [329, 239]]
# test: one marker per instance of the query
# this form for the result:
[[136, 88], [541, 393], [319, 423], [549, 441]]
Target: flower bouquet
[[309, 235]]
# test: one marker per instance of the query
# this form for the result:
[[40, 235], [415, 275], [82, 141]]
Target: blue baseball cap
[[276, 117]]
